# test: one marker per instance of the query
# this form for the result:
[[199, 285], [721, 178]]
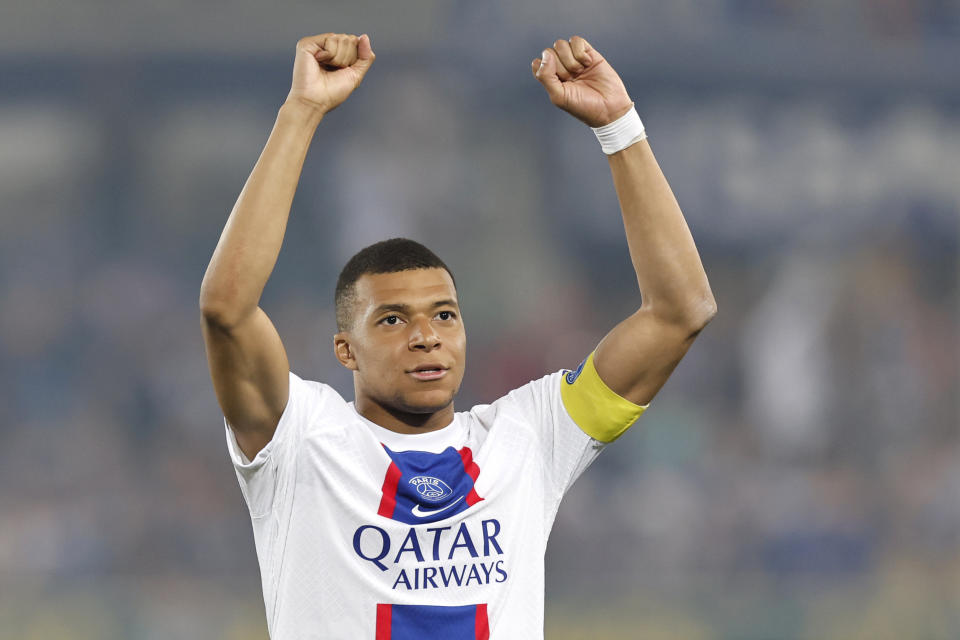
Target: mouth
[[429, 371]]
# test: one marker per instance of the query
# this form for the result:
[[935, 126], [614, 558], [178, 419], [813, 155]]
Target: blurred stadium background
[[798, 477]]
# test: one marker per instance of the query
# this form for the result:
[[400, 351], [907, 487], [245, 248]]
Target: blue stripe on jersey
[[432, 486], [419, 622]]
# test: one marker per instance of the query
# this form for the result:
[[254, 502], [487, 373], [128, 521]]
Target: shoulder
[[522, 404], [313, 398], [577, 396]]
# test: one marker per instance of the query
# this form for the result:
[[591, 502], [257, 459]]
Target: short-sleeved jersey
[[362, 532]]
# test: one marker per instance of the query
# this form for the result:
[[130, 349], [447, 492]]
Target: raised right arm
[[248, 363]]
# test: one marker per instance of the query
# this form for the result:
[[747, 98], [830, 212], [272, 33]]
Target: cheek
[[460, 343], [378, 359]]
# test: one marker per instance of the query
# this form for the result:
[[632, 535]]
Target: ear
[[343, 350]]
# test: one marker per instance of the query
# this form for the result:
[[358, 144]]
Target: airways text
[[435, 544]]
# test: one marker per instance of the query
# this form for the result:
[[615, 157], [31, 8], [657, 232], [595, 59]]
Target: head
[[399, 329]]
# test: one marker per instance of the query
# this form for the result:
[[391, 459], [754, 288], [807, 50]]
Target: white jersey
[[362, 532]]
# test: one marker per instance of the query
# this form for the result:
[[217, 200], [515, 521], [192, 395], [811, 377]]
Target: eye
[[446, 315], [391, 320]]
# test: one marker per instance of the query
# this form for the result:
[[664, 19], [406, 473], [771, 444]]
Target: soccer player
[[392, 516]]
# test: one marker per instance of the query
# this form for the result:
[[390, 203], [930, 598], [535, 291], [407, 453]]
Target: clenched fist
[[581, 82], [327, 69]]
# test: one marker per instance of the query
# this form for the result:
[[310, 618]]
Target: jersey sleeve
[[264, 481], [575, 415]]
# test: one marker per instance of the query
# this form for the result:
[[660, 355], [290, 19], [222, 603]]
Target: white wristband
[[621, 133]]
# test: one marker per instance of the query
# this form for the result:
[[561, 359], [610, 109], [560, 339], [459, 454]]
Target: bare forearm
[[251, 240], [671, 277]]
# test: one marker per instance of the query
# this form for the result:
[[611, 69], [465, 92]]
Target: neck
[[401, 421]]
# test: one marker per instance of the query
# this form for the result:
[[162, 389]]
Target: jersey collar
[[452, 435]]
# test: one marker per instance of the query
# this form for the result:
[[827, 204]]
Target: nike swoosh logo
[[417, 511]]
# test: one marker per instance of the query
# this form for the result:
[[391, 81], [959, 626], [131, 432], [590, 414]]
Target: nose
[[423, 336]]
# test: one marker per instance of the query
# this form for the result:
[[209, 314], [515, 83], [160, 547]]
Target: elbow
[[210, 307], [703, 312], [694, 313], [213, 317], [218, 310]]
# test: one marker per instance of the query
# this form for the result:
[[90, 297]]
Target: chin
[[425, 401]]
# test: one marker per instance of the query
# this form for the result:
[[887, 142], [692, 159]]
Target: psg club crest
[[420, 486], [430, 488]]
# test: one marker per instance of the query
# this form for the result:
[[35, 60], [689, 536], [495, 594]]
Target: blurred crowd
[[798, 476]]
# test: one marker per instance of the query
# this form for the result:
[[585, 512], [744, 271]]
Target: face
[[407, 343]]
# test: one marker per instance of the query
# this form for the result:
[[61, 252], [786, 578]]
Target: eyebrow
[[405, 308]]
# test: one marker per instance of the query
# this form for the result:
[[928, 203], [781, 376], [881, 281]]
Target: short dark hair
[[386, 256]]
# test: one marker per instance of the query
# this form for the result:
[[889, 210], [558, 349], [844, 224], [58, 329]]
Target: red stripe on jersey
[[389, 500], [468, 464], [473, 497], [473, 471], [483, 625], [384, 613]]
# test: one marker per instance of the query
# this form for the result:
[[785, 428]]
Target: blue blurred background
[[798, 477]]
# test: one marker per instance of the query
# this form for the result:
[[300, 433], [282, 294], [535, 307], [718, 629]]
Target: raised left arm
[[639, 354]]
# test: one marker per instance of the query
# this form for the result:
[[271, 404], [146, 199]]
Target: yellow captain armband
[[596, 408]]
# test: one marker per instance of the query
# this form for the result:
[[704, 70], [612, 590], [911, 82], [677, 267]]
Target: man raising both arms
[[392, 516]]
